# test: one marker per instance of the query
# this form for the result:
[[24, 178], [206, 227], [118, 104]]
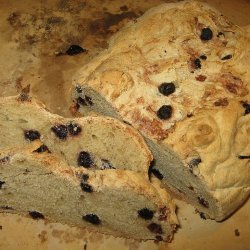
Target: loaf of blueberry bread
[[112, 201], [94, 142], [180, 75]]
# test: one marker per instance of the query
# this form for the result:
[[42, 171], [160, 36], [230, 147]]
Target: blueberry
[[203, 57], [246, 106], [74, 50], [195, 162], [86, 187], [23, 97], [206, 34], [167, 88], [81, 101], [74, 129], [227, 57], [61, 131], [242, 157], [156, 173], [36, 215], [165, 112], [146, 214], [197, 63], [86, 101], [202, 215], [78, 89], [203, 202], [1, 184], [92, 218], [41, 149], [84, 160], [31, 135]]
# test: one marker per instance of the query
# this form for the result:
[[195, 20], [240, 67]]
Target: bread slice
[[94, 142], [179, 74], [113, 201]]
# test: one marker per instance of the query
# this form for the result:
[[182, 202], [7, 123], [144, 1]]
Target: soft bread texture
[[104, 138], [43, 187], [40, 172], [198, 148]]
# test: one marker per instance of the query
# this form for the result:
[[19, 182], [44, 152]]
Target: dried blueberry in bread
[[206, 34], [36, 215], [84, 160], [31, 135], [60, 131], [92, 218]]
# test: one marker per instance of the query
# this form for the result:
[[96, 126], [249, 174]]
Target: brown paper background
[[31, 33]]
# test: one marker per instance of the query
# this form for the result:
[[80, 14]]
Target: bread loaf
[[180, 75]]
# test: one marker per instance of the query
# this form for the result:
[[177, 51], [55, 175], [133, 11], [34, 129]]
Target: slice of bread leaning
[[180, 75], [94, 142], [111, 201]]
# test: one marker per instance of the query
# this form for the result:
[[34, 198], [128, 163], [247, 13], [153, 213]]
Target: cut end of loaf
[[117, 202]]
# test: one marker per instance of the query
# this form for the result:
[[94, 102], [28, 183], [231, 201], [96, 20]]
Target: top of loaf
[[171, 43]]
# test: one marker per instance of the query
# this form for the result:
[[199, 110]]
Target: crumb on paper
[[85, 246], [237, 232]]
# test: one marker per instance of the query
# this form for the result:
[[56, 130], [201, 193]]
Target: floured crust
[[208, 119]]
